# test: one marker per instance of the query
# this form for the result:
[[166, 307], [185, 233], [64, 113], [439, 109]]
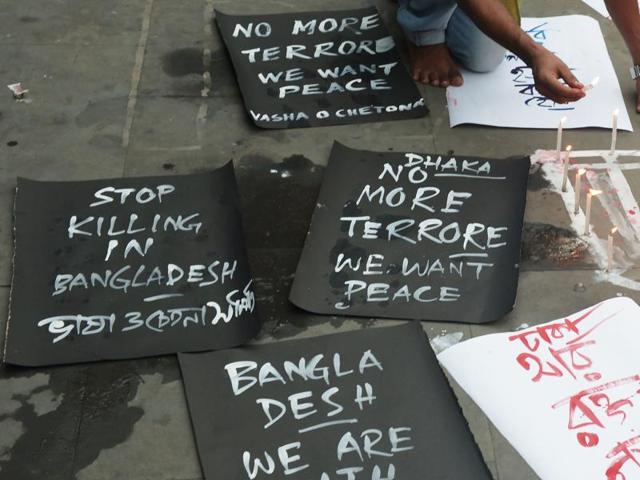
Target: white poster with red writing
[[566, 393]]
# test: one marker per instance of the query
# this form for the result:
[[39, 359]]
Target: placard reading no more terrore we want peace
[[418, 236], [321, 68], [123, 268]]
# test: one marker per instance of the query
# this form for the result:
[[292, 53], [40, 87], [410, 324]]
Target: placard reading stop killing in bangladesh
[[123, 268], [416, 236], [320, 68]]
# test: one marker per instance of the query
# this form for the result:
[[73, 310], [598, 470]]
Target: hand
[[548, 71]]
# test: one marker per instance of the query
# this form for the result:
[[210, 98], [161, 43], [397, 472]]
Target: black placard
[[418, 236], [123, 268], [319, 68], [365, 405]]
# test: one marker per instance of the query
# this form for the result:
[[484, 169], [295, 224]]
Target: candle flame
[[593, 192], [581, 172], [614, 230], [569, 147], [616, 112], [563, 120], [591, 85]]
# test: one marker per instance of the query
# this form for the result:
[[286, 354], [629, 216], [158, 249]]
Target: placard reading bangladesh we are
[[366, 405]]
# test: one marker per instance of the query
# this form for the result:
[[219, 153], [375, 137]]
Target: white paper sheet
[[527, 382], [507, 97]]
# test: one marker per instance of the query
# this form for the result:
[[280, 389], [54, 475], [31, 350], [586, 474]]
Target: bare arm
[[493, 18], [627, 18]]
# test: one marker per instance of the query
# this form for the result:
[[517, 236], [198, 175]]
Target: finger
[[545, 92], [559, 90], [569, 77]]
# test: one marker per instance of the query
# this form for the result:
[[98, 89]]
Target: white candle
[[591, 84], [559, 140], [577, 189], [587, 222], [565, 168], [610, 249], [614, 131]]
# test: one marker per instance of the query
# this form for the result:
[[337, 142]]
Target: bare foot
[[433, 65]]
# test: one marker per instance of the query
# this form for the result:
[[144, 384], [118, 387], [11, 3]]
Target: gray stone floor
[[80, 58]]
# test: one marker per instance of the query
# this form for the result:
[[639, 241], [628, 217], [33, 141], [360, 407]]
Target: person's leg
[[425, 24], [425, 21], [470, 47]]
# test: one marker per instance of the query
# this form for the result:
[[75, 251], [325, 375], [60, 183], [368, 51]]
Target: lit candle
[[559, 141], [587, 222], [610, 249], [565, 170], [577, 188], [591, 84], [614, 131]]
